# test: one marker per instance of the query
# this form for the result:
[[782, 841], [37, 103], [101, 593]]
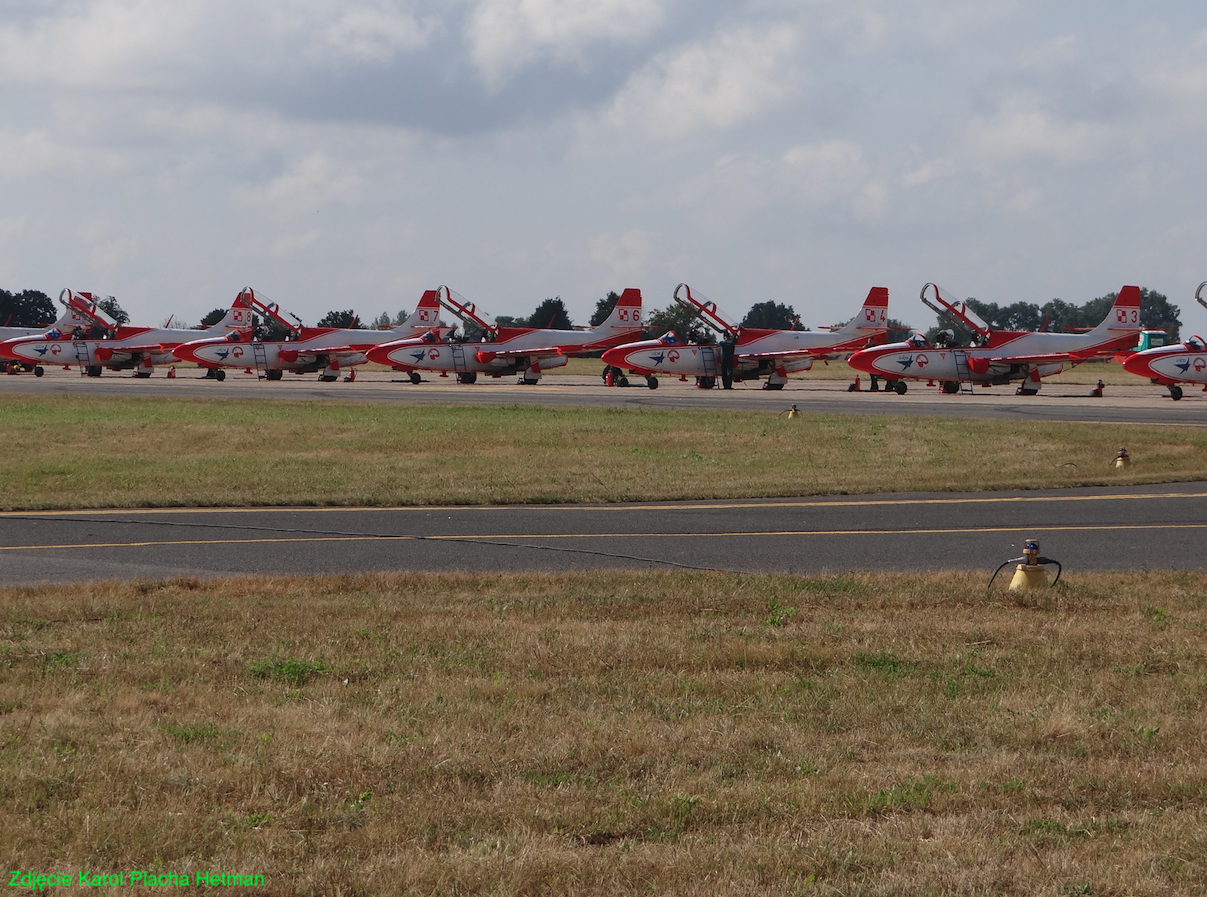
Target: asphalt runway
[[1139, 403], [1099, 529]]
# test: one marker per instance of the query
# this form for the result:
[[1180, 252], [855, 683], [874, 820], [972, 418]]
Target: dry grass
[[612, 734], [73, 452]]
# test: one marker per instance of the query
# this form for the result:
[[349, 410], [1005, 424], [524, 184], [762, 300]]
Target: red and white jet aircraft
[[999, 356], [122, 347], [756, 352], [1170, 365], [324, 349], [79, 310], [510, 350]]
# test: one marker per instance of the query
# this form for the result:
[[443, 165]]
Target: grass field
[[612, 734], [70, 451]]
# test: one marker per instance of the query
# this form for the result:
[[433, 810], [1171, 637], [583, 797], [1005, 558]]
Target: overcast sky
[[352, 153]]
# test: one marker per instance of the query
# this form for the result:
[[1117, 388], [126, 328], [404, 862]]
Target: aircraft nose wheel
[[651, 382], [1175, 392], [414, 377]]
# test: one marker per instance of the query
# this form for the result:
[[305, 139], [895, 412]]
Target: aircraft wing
[[805, 352], [1051, 357]]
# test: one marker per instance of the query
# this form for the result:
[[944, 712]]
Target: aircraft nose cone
[[862, 361], [614, 356], [1138, 364]]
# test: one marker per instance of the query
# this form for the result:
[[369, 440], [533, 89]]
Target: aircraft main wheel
[[93, 370], [622, 381], [142, 375], [327, 378], [415, 378], [901, 387], [951, 387], [467, 377], [1175, 392], [219, 375], [273, 374], [706, 382], [38, 372], [773, 385], [651, 382]]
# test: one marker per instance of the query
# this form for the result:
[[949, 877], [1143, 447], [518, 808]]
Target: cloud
[[163, 45], [1023, 130], [736, 76], [504, 36]]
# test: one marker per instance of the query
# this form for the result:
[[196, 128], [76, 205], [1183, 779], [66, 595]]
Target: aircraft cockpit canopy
[[918, 341], [1194, 344]]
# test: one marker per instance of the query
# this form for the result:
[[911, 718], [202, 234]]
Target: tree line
[[33, 308]]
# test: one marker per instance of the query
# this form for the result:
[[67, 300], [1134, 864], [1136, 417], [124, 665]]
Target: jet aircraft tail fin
[[426, 317], [1123, 318], [872, 318], [626, 315], [239, 316]]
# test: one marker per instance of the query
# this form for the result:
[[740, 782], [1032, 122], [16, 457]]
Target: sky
[[339, 154]]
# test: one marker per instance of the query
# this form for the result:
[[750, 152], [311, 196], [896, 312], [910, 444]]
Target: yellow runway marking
[[655, 506], [512, 537]]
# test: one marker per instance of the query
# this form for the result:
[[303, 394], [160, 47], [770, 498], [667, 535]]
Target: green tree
[[109, 306], [771, 315], [345, 320], [551, 315], [1019, 316], [683, 321], [603, 308], [384, 322], [898, 331], [212, 318], [28, 308]]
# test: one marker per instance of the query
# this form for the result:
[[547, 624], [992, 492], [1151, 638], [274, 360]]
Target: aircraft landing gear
[[900, 387], [273, 374], [651, 381], [219, 375], [467, 377], [415, 378], [1175, 392], [38, 372], [706, 382], [93, 370], [950, 387], [142, 375]]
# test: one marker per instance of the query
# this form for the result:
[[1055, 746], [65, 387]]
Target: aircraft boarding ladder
[[708, 355], [962, 371], [81, 355], [261, 359], [458, 351]]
